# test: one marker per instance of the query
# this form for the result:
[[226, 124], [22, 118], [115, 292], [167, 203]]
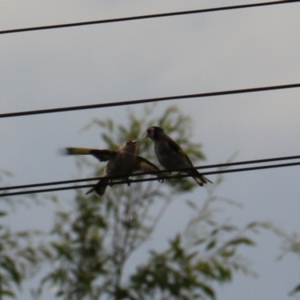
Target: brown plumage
[[170, 155], [122, 162]]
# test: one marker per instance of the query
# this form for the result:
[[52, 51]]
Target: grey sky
[[162, 57]]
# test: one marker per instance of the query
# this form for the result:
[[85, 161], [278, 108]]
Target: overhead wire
[[129, 181], [143, 101], [149, 16], [257, 161]]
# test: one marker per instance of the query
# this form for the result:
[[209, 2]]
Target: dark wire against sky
[[122, 181], [152, 16], [149, 100]]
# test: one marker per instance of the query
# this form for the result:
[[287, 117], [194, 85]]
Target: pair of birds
[[124, 161]]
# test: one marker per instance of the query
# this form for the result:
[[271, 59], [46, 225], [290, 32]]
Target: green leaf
[[200, 241], [227, 253], [211, 245], [7, 293], [295, 290], [9, 265], [243, 240], [192, 205], [207, 290], [3, 213]]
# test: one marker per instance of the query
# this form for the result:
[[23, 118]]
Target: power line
[[129, 181], [142, 101], [161, 15], [149, 179], [238, 163]]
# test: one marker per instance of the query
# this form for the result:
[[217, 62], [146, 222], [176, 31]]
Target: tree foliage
[[291, 244], [87, 253], [18, 256], [92, 242]]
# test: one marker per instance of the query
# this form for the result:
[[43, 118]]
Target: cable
[[142, 101], [170, 14], [148, 179], [153, 178], [247, 162]]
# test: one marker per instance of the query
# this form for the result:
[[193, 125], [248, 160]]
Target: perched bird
[[170, 155], [122, 162]]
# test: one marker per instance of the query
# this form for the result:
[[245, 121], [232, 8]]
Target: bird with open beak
[[122, 163]]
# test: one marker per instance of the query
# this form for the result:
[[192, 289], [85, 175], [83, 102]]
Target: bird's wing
[[142, 164], [102, 155], [173, 145], [177, 149]]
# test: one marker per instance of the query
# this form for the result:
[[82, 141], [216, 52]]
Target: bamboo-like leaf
[[295, 290], [242, 240]]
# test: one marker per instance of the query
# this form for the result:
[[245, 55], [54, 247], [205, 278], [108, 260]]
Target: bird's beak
[[134, 143], [146, 134]]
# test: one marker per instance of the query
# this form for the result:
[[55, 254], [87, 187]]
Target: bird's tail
[[200, 179], [99, 188], [78, 151]]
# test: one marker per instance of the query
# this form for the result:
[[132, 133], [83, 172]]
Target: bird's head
[[129, 146], [154, 133]]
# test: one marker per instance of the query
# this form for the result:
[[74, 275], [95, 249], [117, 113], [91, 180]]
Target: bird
[[122, 162], [170, 155]]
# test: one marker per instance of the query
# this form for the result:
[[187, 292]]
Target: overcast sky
[[162, 57]]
